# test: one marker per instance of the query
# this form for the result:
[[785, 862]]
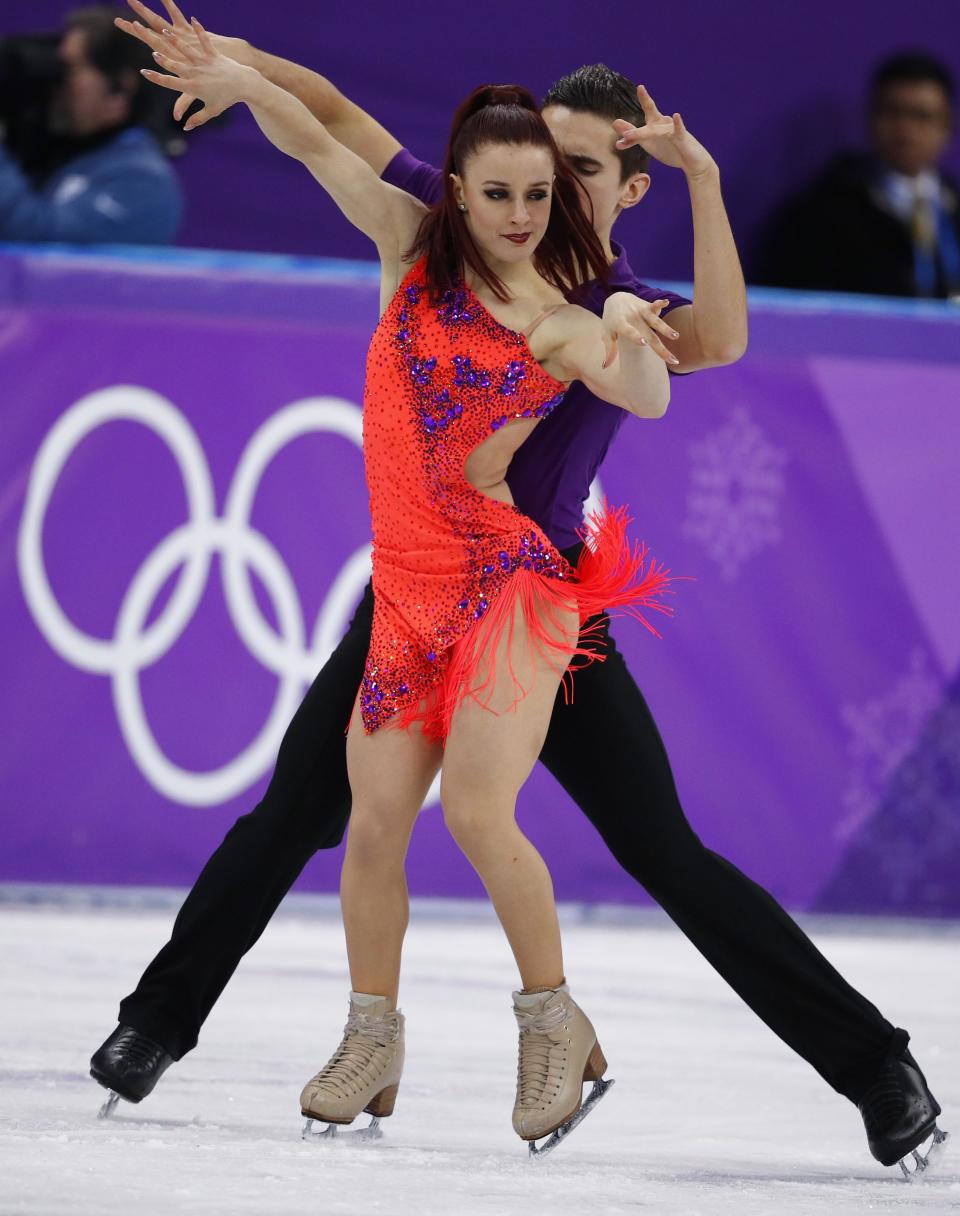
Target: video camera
[[31, 73]]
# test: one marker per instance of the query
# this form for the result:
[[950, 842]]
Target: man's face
[[85, 103], [910, 127], [587, 142]]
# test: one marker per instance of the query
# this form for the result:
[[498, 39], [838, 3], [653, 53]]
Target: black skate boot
[[129, 1065], [900, 1113]]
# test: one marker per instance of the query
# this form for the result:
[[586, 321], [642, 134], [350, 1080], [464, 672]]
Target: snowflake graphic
[[881, 734], [907, 856], [736, 487], [916, 847]]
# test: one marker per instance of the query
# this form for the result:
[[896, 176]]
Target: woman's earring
[[462, 206]]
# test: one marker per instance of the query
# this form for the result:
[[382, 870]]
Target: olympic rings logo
[[190, 548]]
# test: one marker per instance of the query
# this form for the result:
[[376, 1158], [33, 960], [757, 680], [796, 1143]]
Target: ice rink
[[710, 1113]]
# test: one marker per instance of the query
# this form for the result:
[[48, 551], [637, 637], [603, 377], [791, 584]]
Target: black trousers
[[631, 800]]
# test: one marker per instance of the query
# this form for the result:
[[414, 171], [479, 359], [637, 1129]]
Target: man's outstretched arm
[[344, 120], [713, 329]]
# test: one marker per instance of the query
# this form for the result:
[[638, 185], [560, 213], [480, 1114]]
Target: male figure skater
[[606, 132]]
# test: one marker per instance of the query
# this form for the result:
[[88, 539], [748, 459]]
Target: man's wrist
[[708, 175], [239, 50]]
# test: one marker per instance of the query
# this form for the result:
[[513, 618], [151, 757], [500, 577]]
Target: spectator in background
[[116, 185], [888, 221]]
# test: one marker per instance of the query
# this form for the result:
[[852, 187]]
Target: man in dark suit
[[886, 221]]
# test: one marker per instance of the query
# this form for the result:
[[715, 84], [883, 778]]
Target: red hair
[[570, 250]]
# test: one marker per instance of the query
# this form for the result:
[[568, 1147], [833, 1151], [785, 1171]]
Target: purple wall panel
[[772, 90], [804, 677]]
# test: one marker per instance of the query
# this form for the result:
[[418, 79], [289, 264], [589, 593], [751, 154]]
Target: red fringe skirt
[[612, 575]]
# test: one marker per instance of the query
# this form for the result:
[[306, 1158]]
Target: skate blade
[[336, 1131], [916, 1164], [599, 1089], [109, 1106]]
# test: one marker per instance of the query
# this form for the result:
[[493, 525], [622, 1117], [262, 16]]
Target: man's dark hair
[[909, 67], [118, 56], [596, 89]]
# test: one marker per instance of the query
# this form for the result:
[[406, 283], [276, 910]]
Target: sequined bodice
[[441, 378]]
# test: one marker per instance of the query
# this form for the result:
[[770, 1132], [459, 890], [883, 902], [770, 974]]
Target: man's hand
[[151, 33], [664, 137], [197, 69], [639, 321]]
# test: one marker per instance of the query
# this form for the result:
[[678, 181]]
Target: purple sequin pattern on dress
[[440, 378]]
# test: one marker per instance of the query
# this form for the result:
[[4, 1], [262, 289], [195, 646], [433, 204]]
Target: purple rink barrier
[[773, 95], [184, 534]]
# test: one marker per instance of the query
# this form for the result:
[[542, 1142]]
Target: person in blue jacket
[[117, 186]]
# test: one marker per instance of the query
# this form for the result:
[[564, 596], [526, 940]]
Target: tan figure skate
[[558, 1052], [362, 1075]]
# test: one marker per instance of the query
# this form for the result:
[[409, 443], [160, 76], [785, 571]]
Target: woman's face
[[506, 189]]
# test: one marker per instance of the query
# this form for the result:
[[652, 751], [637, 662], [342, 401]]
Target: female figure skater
[[477, 615]]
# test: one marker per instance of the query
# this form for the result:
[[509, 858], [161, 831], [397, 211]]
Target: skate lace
[[883, 1103], [536, 1051], [357, 1056], [139, 1050]]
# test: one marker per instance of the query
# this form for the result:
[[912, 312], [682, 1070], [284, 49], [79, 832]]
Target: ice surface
[[711, 1114]]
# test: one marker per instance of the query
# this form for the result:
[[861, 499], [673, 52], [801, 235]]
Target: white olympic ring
[[134, 646], [192, 546]]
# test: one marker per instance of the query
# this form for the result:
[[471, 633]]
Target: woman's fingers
[[175, 14], [647, 329], [169, 64], [154, 21], [647, 337], [168, 82], [659, 324], [181, 105], [136, 30], [202, 35], [609, 348], [174, 44], [639, 337], [658, 348], [198, 119]]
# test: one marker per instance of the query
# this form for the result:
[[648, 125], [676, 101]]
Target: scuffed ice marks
[[736, 486]]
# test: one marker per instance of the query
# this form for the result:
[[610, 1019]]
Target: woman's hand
[[198, 70], [149, 30], [625, 317], [665, 138]]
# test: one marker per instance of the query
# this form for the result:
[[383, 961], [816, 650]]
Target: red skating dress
[[450, 563]]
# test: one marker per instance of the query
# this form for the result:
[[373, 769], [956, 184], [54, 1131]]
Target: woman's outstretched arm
[[388, 216], [620, 356], [345, 121]]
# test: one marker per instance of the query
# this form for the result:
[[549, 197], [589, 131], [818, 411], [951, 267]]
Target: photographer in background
[[80, 162]]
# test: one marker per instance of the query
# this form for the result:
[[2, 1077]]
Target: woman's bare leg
[[390, 773], [488, 757]]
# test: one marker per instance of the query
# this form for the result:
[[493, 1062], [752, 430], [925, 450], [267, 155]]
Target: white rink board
[[710, 1115]]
